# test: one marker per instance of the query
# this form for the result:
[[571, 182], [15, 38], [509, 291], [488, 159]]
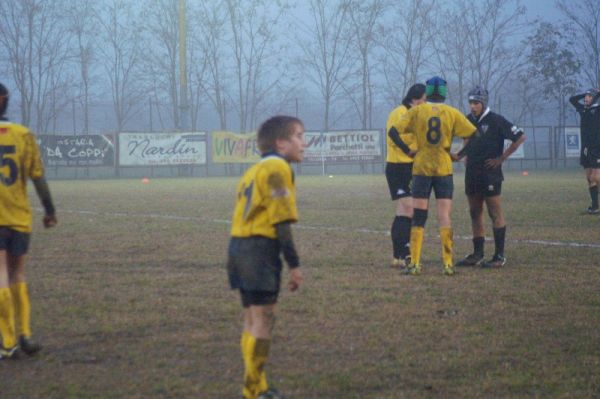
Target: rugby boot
[[470, 260], [412, 270], [449, 270], [271, 394], [593, 211], [495, 262], [29, 346], [9, 353], [400, 263]]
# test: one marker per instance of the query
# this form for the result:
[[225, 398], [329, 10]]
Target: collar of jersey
[[487, 111], [270, 155]]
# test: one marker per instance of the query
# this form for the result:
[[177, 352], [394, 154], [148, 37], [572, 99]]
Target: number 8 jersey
[[19, 160], [434, 125], [266, 196]]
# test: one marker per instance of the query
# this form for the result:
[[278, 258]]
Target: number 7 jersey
[[266, 196], [19, 160], [434, 125]]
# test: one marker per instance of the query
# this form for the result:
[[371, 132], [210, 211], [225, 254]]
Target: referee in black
[[589, 112], [483, 176]]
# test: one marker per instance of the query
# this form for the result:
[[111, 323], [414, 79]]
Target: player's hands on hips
[[50, 221], [295, 279], [494, 163]]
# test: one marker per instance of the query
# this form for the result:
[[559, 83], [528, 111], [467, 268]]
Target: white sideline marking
[[321, 228]]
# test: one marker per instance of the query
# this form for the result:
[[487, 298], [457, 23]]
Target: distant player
[[483, 176], [261, 229], [19, 161], [398, 172], [433, 124], [589, 112]]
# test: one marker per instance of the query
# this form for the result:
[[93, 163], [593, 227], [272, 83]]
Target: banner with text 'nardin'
[[152, 149], [343, 146], [88, 150]]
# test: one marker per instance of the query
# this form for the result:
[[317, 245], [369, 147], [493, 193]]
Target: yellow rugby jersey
[[266, 195], [394, 153], [19, 160], [434, 125]]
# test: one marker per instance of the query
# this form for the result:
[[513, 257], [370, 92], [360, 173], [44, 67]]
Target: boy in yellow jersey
[[398, 173], [19, 160], [264, 210], [434, 124]]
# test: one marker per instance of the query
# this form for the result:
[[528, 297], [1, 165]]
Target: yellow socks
[[416, 244], [7, 318], [20, 296], [255, 352], [447, 244]]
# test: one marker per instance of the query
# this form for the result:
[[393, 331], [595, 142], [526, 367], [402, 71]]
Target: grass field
[[130, 297]]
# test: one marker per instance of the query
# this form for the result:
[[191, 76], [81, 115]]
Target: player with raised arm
[[20, 160], [434, 124], [264, 210], [483, 176], [589, 112]]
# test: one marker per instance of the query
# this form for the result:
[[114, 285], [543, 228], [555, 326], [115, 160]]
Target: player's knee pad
[[419, 217]]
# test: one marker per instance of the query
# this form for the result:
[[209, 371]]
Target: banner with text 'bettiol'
[[153, 149], [229, 147], [343, 146], [88, 150]]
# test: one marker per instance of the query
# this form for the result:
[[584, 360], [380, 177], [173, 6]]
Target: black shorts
[[488, 185], [443, 186], [254, 267], [258, 298], [398, 176], [14, 242], [590, 158]]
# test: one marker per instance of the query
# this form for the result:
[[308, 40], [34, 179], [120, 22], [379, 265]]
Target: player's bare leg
[[593, 177]]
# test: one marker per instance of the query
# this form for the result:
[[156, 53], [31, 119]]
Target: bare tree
[[161, 65], [210, 38], [364, 16], [407, 46], [492, 56], [121, 55], [253, 36], [584, 16], [82, 21], [326, 50], [36, 44], [451, 49]]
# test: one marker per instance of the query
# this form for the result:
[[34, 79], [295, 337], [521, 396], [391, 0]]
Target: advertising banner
[[343, 146], [572, 142], [228, 147], [89, 150], [143, 149]]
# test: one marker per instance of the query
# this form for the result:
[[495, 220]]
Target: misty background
[[98, 66]]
